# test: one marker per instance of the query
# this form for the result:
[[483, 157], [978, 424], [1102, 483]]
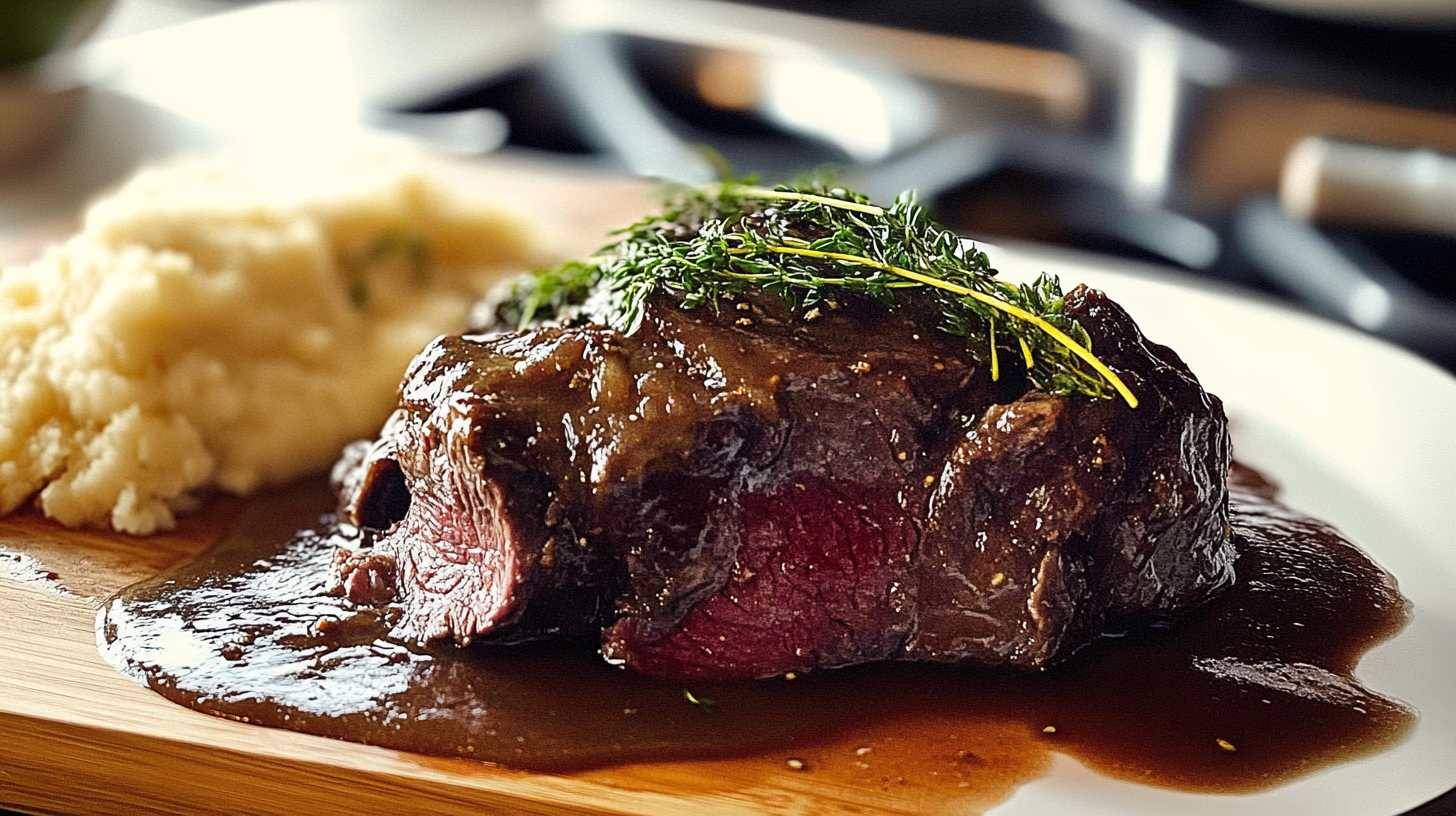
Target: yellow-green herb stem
[[786, 195], [995, 303]]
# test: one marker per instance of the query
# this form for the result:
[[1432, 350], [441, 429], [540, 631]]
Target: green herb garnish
[[810, 247], [708, 706]]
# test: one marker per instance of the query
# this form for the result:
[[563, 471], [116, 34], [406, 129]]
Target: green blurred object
[[40, 90], [31, 28]]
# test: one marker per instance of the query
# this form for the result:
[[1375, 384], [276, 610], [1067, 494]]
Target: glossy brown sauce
[[1254, 689]]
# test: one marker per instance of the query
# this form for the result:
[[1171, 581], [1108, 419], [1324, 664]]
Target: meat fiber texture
[[224, 324], [741, 493]]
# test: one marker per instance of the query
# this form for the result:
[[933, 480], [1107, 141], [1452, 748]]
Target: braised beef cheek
[[743, 493]]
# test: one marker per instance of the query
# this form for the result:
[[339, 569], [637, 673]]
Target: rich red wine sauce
[[1253, 689]]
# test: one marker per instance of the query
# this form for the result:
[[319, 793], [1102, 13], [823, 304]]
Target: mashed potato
[[216, 325]]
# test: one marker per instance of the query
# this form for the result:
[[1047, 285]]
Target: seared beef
[[1058, 519], [741, 493], [482, 539]]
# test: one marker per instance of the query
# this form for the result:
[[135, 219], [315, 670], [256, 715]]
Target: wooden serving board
[[77, 737]]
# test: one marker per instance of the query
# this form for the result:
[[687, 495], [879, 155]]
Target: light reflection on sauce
[[1252, 690]]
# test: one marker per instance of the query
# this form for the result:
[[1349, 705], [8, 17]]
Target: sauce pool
[[1253, 689]]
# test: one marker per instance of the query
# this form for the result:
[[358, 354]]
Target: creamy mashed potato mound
[[228, 326]]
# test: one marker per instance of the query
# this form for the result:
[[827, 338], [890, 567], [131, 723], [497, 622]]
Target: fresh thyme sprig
[[811, 247]]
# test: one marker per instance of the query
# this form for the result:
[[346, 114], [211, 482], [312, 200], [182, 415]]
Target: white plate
[[1359, 433]]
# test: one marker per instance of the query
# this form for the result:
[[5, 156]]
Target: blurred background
[[1305, 148]]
